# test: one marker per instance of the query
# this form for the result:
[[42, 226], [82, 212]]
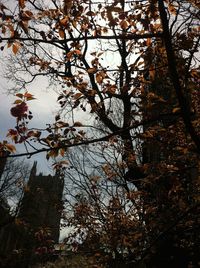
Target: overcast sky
[[43, 108]]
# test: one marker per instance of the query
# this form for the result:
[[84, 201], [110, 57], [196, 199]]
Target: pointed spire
[[34, 169]]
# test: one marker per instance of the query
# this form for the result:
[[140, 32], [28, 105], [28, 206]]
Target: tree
[[109, 59], [12, 184], [105, 217], [13, 180]]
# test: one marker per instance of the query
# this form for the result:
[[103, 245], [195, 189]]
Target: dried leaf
[[22, 3], [17, 101], [62, 152], [52, 154], [77, 95], [100, 77], [16, 46], [29, 96], [61, 33], [91, 70], [172, 8], [175, 110], [77, 52], [11, 148], [148, 42], [64, 21], [19, 95], [78, 124], [124, 24]]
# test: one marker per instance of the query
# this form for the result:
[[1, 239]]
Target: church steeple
[[34, 168]]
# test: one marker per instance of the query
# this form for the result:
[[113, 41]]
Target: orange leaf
[[124, 24], [69, 54], [16, 46], [77, 95], [100, 77], [64, 21], [62, 152], [61, 33], [19, 95], [52, 153], [172, 9], [22, 3], [175, 110], [11, 148], [29, 96], [91, 70], [78, 52], [9, 44], [27, 15], [148, 42]]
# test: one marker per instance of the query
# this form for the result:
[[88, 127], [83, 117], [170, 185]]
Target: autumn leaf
[[77, 52], [62, 152], [77, 96], [52, 154], [78, 124], [64, 21], [22, 3], [100, 77], [91, 70], [15, 47], [29, 96], [9, 44], [124, 24], [60, 164], [18, 222], [11, 148], [148, 42], [17, 101], [111, 89], [32, 133], [19, 95], [172, 8], [27, 15], [19, 110], [61, 33], [175, 110]]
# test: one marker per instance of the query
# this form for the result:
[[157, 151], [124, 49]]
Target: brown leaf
[[91, 70], [148, 42], [22, 3], [172, 8], [175, 110], [77, 95], [78, 124], [16, 46], [124, 24], [17, 101], [61, 33], [11, 148], [19, 95]]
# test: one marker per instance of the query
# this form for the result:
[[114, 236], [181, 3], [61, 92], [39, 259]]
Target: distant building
[[41, 205], [37, 226]]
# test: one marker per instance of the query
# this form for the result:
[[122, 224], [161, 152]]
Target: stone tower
[[40, 210], [41, 205]]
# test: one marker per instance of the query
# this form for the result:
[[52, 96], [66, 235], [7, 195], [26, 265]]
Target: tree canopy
[[132, 67]]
